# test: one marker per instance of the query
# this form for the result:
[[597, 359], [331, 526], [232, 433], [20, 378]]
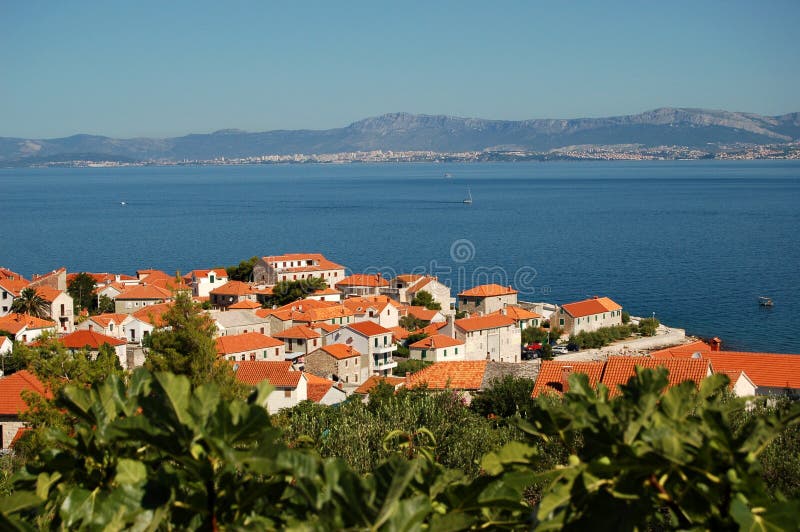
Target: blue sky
[[170, 68]]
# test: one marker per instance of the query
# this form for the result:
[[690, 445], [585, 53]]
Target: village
[[347, 333]]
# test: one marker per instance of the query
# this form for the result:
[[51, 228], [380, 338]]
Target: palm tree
[[30, 302]]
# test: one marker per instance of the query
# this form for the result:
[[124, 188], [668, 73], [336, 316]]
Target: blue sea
[[695, 242]]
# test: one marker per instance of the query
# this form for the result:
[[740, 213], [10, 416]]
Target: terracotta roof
[[13, 286], [462, 375], [590, 307], [419, 312], [340, 351], [278, 374], [436, 341], [682, 351], [11, 388], [326, 292], [6, 274], [432, 328], [144, 291], [48, 293], [234, 288], [219, 272], [772, 370], [14, 322], [363, 279], [373, 381], [488, 290], [321, 262], [149, 271], [18, 435], [409, 277], [368, 328], [483, 322], [153, 314], [298, 331], [516, 313], [317, 387], [399, 333], [619, 369], [102, 278], [360, 305], [104, 319], [552, 375], [238, 343], [325, 327], [92, 339], [245, 304], [304, 305], [420, 284]]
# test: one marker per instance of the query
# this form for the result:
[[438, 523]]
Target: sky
[[159, 69]]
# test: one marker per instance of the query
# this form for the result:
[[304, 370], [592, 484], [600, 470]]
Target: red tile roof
[[399, 333], [13, 286], [14, 323], [234, 288], [104, 319], [373, 381], [6, 274], [153, 314], [431, 329], [11, 388], [298, 331], [245, 304], [488, 290], [516, 313], [368, 328], [484, 322], [590, 307], [92, 339], [360, 305], [219, 272], [340, 351], [321, 263], [682, 351], [620, 369], [436, 341], [317, 387], [144, 291], [421, 313], [463, 375], [363, 279], [552, 373], [278, 374], [238, 343]]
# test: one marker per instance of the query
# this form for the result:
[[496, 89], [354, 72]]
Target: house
[[25, 328], [339, 362], [587, 315], [404, 287], [486, 298], [245, 304], [105, 279], [615, 372], [423, 314], [770, 373], [299, 341], [231, 292], [110, 324], [12, 405], [325, 294], [290, 386], [92, 341], [375, 343], [10, 289], [361, 284], [239, 322], [380, 309], [437, 348], [470, 376], [324, 391], [250, 346], [145, 320], [523, 317], [495, 337], [296, 267], [6, 347], [139, 296], [203, 282], [375, 380]]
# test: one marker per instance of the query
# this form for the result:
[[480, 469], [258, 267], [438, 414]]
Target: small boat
[[764, 301], [468, 199], [122, 203], [448, 175]]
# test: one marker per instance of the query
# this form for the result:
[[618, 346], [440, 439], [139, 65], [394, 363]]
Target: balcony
[[383, 349], [383, 365]]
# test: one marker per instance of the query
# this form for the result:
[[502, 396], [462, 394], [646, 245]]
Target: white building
[[375, 344], [486, 298], [297, 267], [587, 315], [404, 287], [496, 337], [379, 309], [290, 386], [204, 281], [438, 348]]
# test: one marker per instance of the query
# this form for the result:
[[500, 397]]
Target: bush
[[626, 317], [410, 366], [601, 337], [648, 326]]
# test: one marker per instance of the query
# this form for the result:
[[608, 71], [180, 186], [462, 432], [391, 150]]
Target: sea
[[694, 243]]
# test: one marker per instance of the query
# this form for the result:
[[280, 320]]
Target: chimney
[[91, 327], [566, 371], [716, 344]]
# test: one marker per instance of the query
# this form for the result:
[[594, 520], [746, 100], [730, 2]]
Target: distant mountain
[[403, 132]]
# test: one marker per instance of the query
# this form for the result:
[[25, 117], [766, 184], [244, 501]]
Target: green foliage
[[425, 299], [243, 271], [81, 288], [648, 326], [185, 346], [105, 304], [626, 317], [411, 323], [30, 302], [410, 365], [547, 352], [601, 337], [461, 314], [556, 332], [531, 335], [285, 292], [507, 397]]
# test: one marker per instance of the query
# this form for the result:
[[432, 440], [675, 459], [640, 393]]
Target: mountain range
[[698, 128]]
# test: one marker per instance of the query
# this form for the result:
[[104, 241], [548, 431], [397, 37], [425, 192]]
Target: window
[[456, 350], [561, 321], [424, 353], [376, 341], [244, 357], [287, 393], [5, 295], [385, 340], [111, 326], [345, 363], [277, 352], [265, 353], [445, 352], [355, 377], [211, 278]]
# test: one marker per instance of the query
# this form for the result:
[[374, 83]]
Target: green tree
[[105, 304], [425, 299], [648, 326], [626, 317], [82, 290], [243, 271], [410, 365], [285, 292], [185, 346], [412, 323], [31, 303], [547, 351], [506, 397], [532, 335]]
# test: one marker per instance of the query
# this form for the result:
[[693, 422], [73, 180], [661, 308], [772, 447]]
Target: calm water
[[694, 242]]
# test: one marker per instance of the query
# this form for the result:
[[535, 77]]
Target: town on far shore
[[315, 333]]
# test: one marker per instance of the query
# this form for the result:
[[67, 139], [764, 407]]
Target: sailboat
[[468, 199]]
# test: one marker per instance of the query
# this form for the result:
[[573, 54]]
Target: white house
[[380, 309], [495, 337], [404, 287], [26, 328], [297, 267], [375, 343], [299, 340], [204, 281], [93, 341], [110, 324], [139, 296], [250, 346], [9, 290], [361, 284], [587, 315], [438, 348], [239, 322], [290, 386]]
